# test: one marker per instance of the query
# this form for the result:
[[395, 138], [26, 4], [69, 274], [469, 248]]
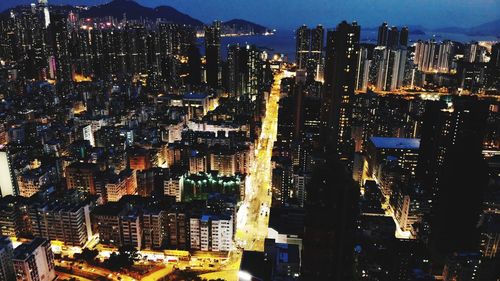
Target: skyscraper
[[314, 64], [309, 50], [34, 261], [445, 54], [59, 36], [340, 77], [452, 169], [403, 37], [495, 55], [329, 223], [363, 69], [43, 8], [391, 69], [244, 70], [212, 53], [393, 37], [383, 33], [303, 36], [194, 65]]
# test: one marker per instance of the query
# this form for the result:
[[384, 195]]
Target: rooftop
[[395, 143], [23, 251], [195, 96]]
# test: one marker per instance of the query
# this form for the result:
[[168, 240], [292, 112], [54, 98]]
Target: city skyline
[[141, 144], [427, 14]]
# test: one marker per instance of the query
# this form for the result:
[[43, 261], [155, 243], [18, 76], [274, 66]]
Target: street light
[[245, 276]]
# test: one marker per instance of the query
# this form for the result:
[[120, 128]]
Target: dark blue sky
[[291, 13]]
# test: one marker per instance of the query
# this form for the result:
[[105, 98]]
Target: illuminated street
[[253, 215]]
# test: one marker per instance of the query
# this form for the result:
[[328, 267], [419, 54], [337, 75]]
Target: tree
[[125, 258], [87, 255]]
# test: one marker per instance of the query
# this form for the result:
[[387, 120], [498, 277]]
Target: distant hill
[[245, 26], [133, 10], [489, 28]]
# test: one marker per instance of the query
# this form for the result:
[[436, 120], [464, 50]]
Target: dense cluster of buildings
[[121, 131], [385, 165]]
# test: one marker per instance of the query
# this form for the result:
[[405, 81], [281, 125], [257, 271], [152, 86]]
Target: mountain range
[[489, 28], [133, 10]]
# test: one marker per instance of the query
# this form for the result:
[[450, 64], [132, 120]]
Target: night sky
[[291, 13]]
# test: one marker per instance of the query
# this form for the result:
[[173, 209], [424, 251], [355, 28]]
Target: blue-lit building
[[400, 152]]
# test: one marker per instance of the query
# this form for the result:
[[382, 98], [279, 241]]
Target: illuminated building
[[197, 105], [43, 7], [14, 220], [81, 176], [6, 266], [383, 33], [391, 68], [462, 266], [199, 186], [303, 34], [300, 182], [474, 53], [177, 155], [154, 227], [445, 54], [146, 182], [117, 225], [8, 183], [212, 53], [405, 151], [120, 185], [340, 76], [282, 182], [131, 229], [212, 233], [410, 204], [173, 185], [141, 159], [244, 71], [88, 134], [425, 53], [472, 76], [68, 222], [309, 50], [178, 225], [490, 236], [285, 259], [362, 70], [32, 181], [315, 63], [223, 161], [60, 44], [34, 261]]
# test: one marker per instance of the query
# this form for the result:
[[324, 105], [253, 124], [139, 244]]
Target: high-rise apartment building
[[34, 261]]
